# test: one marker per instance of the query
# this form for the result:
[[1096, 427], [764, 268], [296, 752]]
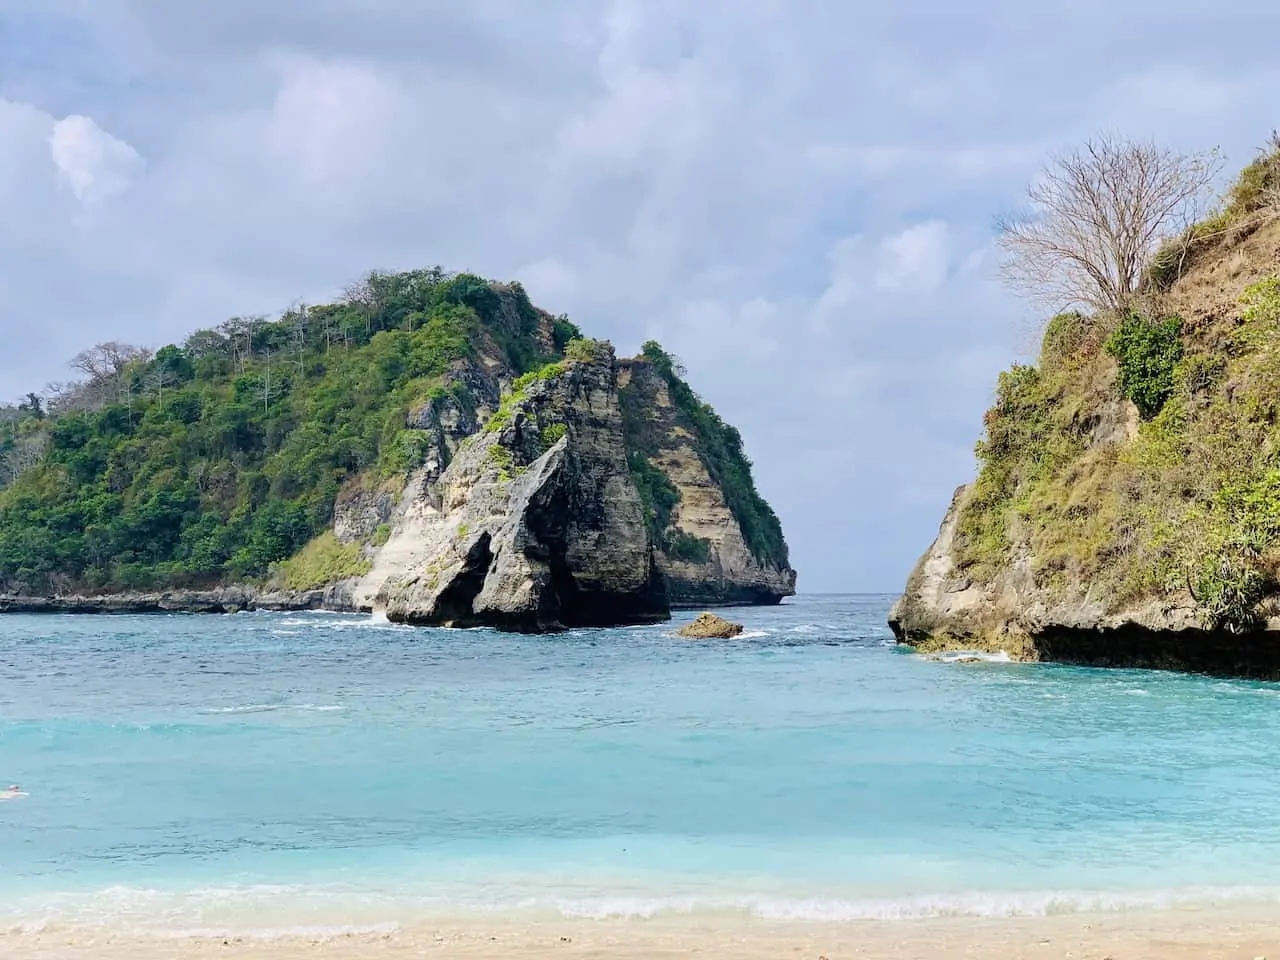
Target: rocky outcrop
[[727, 573], [707, 626], [1094, 536], [536, 524], [942, 608]]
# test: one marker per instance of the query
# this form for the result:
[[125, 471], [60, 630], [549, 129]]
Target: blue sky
[[794, 196]]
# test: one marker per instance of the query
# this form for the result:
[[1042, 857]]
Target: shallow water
[[282, 771]]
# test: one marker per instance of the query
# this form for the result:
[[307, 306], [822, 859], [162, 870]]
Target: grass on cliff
[[1252, 199], [213, 460], [1189, 507], [322, 561]]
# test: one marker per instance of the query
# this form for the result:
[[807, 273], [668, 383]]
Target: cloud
[[915, 259], [93, 163], [796, 199]]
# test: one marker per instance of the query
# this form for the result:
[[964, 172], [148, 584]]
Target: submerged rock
[[707, 626]]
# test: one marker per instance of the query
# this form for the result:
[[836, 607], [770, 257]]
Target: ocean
[[273, 772]]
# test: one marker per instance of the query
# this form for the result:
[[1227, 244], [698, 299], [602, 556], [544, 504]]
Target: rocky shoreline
[[944, 610], [234, 599], [221, 600]]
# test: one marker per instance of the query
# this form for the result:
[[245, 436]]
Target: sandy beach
[[1167, 935]]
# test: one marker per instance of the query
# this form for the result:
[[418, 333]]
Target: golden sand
[[1165, 935]]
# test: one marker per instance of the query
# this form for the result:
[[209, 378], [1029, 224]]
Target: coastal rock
[[1095, 537], [707, 626], [539, 524], [729, 574]]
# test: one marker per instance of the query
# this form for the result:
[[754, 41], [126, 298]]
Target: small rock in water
[[708, 626]]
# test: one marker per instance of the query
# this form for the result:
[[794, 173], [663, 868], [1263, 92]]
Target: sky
[[796, 197]]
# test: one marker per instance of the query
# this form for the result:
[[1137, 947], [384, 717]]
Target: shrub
[[1227, 592], [1148, 353], [551, 435], [322, 561], [1199, 373], [685, 546], [1065, 336], [658, 494], [502, 459], [582, 350]]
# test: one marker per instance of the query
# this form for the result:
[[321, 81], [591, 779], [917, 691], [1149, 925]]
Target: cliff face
[[1127, 508], [535, 524], [545, 515], [702, 550]]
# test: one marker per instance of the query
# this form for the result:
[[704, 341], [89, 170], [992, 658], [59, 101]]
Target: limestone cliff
[[546, 516], [1127, 507], [702, 549], [535, 524]]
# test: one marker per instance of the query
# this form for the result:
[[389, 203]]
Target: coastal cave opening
[[454, 605]]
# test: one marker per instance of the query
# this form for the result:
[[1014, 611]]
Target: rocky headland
[[521, 475], [1127, 506]]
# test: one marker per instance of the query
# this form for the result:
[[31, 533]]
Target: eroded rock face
[[535, 525], [943, 609], [730, 574]]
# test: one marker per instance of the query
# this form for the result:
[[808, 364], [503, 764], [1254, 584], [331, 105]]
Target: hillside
[[280, 460], [1127, 506]]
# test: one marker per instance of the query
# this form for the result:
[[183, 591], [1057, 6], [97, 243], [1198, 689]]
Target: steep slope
[[718, 542], [1127, 508], [536, 523], [340, 458]]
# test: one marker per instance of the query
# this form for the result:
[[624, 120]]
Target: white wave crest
[[969, 656]]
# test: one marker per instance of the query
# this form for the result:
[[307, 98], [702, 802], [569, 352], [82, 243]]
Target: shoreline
[[1174, 934], [241, 599]]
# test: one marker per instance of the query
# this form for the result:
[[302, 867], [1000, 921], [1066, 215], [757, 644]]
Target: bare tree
[[1097, 216], [104, 365], [298, 319], [157, 378]]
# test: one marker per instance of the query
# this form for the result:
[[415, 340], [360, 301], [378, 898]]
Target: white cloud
[[548, 280], [93, 163], [331, 124], [915, 260]]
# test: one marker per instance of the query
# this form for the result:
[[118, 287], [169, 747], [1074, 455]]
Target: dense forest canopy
[[214, 459]]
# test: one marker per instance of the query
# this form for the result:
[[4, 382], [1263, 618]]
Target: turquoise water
[[331, 771]]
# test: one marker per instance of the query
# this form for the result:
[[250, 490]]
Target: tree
[[104, 365], [32, 405], [1098, 214]]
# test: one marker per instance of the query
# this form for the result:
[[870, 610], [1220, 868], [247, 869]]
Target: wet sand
[[1165, 935]]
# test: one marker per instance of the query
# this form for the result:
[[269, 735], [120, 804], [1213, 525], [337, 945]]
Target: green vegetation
[[1253, 196], [720, 448], [687, 547], [1191, 504], [551, 435], [1147, 353], [519, 389], [322, 561], [658, 494], [216, 459], [502, 459]]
